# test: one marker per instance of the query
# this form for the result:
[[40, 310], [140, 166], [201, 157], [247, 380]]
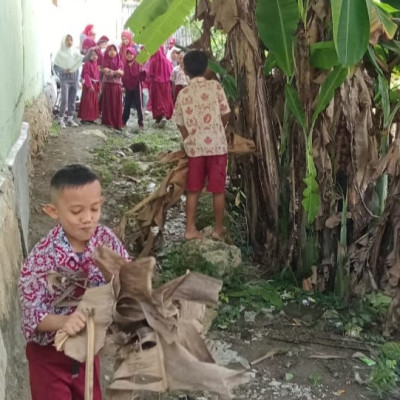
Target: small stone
[[139, 147]]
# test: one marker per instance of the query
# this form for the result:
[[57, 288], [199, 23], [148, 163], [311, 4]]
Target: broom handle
[[90, 329]]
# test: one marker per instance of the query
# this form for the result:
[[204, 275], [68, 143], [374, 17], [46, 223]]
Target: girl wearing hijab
[[102, 43], [88, 32], [133, 75], [89, 107], [66, 64], [112, 93], [126, 39], [162, 105]]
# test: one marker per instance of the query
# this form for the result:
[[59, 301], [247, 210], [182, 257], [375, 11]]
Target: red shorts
[[53, 375], [211, 167]]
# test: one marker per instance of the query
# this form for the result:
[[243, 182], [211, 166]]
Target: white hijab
[[68, 58]]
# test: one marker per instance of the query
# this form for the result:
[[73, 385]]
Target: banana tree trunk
[[260, 175]]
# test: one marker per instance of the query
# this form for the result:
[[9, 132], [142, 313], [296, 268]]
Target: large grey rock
[[224, 258]]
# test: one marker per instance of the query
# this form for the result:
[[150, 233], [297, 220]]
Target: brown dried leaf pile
[[156, 332]]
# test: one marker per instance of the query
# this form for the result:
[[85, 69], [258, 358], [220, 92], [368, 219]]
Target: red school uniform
[[52, 374], [111, 106], [89, 106]]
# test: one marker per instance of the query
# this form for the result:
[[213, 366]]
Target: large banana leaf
[[351, 26], [331, 83], [336, 6], [323, 55], [277, 22], [228, 81], [160, 29], [395, 4], [386, 20], [147, 12], [293, 101]]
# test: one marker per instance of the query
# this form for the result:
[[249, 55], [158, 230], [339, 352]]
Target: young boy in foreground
[[201, 113], [76, 202]]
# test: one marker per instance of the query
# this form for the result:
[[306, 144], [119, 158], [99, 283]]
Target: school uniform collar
[[65, 252], [197, 79]]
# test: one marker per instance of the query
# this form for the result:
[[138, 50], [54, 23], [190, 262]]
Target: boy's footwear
[[61, 122], [71, 122]]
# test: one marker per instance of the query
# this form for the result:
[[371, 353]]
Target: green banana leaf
[[162, 27], [228, 81], [351, 26], [331, 83], [147, 12], [270, 64], [277, 22], [372, 56], [311, 200], [293, 102], [393, 45], [386, 19], [323, 55], [336, 6], [390, 7]]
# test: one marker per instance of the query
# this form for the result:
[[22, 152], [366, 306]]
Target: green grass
[[159, 140], [130, 167], [55, 129]]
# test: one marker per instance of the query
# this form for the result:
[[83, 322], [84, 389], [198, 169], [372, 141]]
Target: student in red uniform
[[133, 75], [162, 105], [89, 106], [102, 43], [112, 88], [126, 42], [178, 78], [76, 202]]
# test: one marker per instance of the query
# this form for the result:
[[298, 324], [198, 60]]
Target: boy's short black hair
[[195, 62], [73, 175]]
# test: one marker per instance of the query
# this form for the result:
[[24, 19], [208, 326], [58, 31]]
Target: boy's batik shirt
[[179, 77], [198, 108], [55, 254]]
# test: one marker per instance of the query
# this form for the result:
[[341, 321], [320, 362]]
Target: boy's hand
[[75, 323]]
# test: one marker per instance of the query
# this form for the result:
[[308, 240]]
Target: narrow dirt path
[[303, 363], [70, 146]]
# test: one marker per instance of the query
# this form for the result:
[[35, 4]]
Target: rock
[[224, 258], [223, 355], [94, 132], [140, 147], [250, 316]]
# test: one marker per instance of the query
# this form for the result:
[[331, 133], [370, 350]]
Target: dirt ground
[[307, 364]]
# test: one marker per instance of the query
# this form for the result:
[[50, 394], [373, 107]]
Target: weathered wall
[[24, 69], [11, 75], [12, 364]]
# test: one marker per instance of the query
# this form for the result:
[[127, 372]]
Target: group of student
[[201, 113], [111, 72]]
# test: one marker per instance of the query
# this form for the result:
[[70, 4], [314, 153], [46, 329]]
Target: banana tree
[[316, 96]]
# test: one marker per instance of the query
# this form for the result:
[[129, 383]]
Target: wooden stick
[[317, 342], [90, 331], [270, 354]]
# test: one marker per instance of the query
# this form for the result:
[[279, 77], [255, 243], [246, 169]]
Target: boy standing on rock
[[201, 113]]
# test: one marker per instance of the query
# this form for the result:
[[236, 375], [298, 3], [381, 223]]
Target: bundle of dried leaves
[[156, 332]]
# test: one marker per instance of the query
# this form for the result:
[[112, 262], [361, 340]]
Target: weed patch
[[131, 168], [55, 129]]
